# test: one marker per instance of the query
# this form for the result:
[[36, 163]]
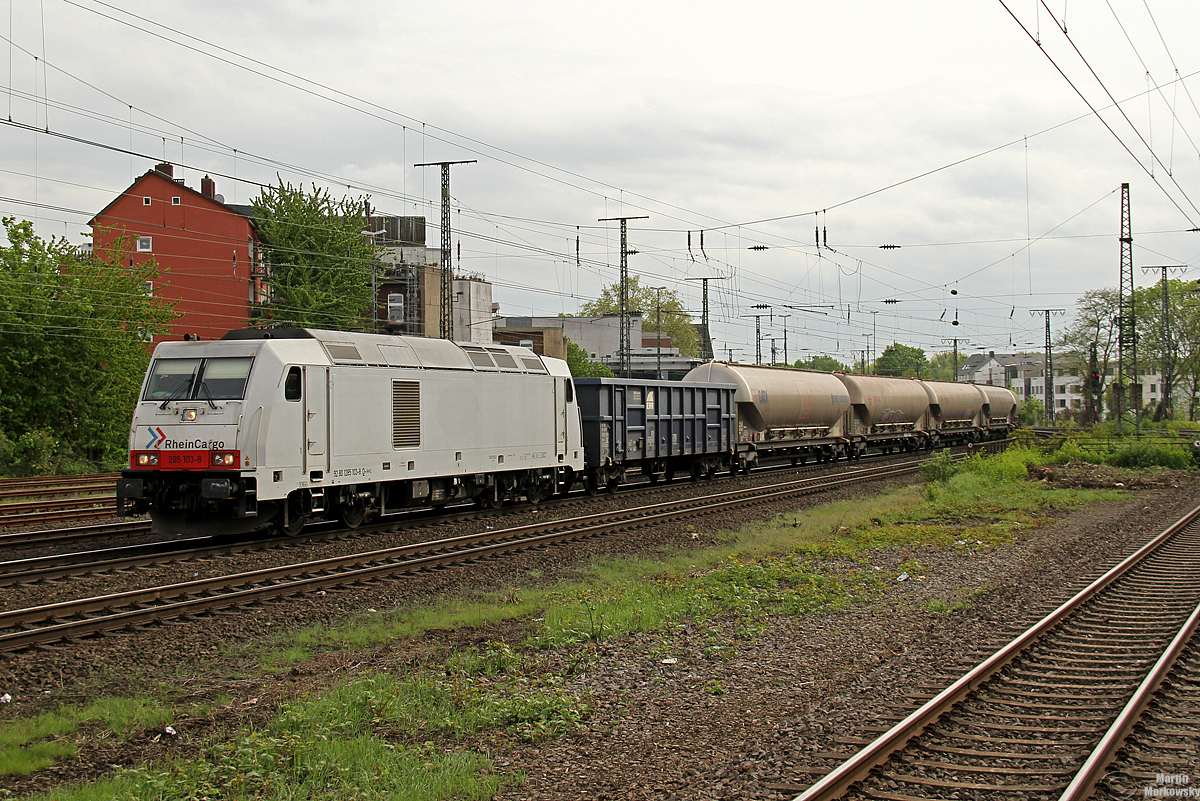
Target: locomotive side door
[[562, 395], [316, 417]]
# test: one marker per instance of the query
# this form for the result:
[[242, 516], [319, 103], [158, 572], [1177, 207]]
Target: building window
[[1062, 403], [175, 201], [148, 287], [145, 244], [1154, 387], [146, 201]]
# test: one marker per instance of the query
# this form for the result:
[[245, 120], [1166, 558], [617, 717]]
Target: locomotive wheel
[[294, 514], [536, 494], [352, 511]]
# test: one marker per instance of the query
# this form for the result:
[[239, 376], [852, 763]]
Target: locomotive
[[278, 428]]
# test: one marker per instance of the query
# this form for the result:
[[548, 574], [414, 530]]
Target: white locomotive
[[280, 427]]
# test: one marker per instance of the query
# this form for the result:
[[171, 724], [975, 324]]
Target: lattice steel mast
[[623, 290], [1126, 319], [446, 308]]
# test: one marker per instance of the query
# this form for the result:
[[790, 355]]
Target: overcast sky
[[938, 126]]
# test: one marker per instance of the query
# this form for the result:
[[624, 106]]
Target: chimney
[[208, 187], [991, 354], [166, 169]]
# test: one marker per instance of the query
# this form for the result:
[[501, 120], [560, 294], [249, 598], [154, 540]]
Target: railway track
[[59, 536], [23, 628], [25, 501], [77, 563], [1045, 715]]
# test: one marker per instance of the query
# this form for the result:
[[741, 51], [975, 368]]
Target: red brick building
[[207, 250]]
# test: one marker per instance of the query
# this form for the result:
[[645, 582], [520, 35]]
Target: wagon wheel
[[591, 484]]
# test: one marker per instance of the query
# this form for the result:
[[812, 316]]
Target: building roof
[[239, 209]]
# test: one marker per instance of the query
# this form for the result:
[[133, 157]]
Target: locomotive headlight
[[224, 460], [147, 459], [189, 415]]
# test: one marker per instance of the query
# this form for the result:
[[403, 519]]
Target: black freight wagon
[[655, 428]]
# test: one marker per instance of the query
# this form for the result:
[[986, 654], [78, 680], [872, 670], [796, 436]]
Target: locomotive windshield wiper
[[181, 391], [208, 396]]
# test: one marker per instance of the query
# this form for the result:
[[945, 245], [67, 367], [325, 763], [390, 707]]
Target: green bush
[[1144, 454], [1072, 451], [939, 469], [40, 453], [1011, 465]]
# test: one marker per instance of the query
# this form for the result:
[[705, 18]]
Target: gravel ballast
[[669, 721]]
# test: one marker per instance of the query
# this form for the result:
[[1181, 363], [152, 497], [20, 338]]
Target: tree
[[76, 341], [1031, 413], [826, 364], [941, 366], [899, 360], [320, 262], [675, 321], [581, 366]]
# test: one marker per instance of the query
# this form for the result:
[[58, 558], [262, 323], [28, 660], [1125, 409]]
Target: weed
[[940, 468]]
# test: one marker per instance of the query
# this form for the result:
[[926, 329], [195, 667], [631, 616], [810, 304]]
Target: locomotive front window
[[171, 379], [224, 379], [205, 379]]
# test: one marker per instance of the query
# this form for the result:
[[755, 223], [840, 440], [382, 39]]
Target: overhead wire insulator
[[889, 247]]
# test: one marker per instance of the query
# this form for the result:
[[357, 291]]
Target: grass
[[31, 744], [409, 735]]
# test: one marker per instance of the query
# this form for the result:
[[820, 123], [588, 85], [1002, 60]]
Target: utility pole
[[785, 352], [1126, 319], [1167, 358], [956, 340], [874, 338], [1094, 383], [623, 290], [1048, 381], [446, 320], [706, 345], [658, 326], [758, 328]]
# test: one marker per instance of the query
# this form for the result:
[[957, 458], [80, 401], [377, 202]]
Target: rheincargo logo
[[159, 440], [194, 444]]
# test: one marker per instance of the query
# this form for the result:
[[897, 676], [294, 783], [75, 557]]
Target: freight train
[[278, 428]]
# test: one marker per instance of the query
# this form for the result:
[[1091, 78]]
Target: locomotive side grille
[[406, 414]]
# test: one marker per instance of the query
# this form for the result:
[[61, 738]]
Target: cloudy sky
[[943, 127]]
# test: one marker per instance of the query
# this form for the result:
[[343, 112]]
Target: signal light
[[147, 460], [224, 459]]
